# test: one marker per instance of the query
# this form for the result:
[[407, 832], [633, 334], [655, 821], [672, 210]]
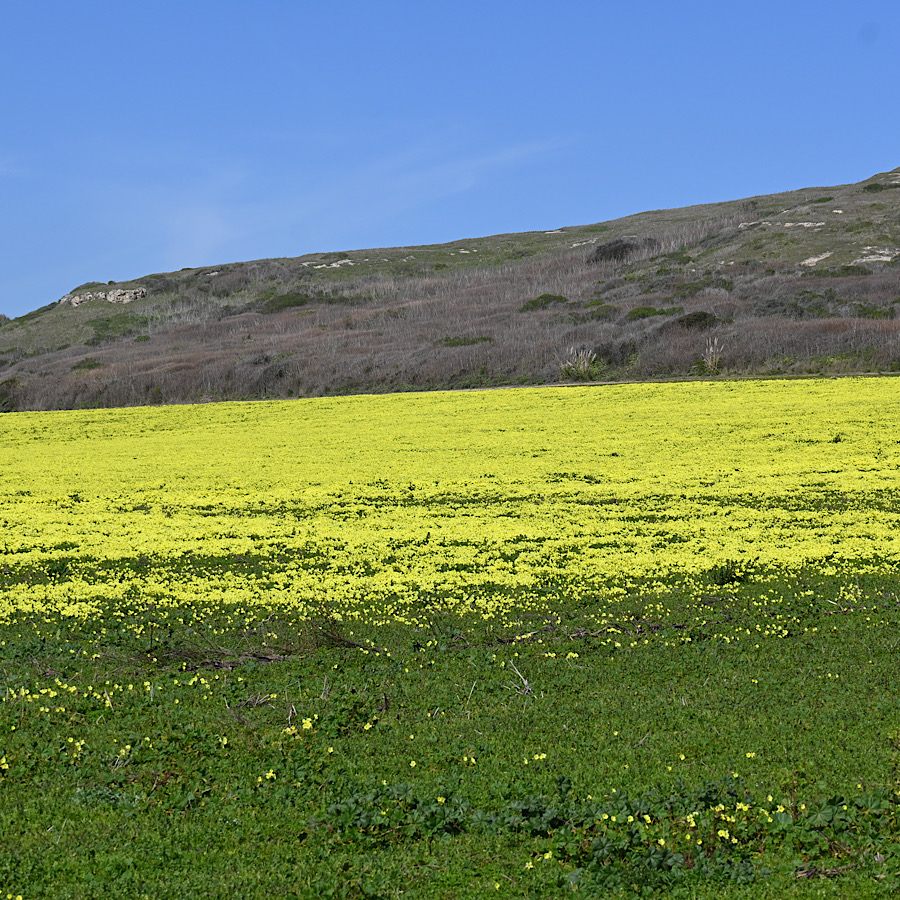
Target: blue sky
[[139, 138]]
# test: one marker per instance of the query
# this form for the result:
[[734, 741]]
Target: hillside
[[805, 281]]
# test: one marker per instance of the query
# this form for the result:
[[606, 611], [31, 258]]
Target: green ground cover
[[630, 641], [259, 755]]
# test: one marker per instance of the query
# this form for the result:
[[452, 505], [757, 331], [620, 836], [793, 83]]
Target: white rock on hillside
[[115, 296]]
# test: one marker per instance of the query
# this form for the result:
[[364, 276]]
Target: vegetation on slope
[[801, 282]]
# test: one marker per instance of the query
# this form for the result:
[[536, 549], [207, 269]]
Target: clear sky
[[139, 138]]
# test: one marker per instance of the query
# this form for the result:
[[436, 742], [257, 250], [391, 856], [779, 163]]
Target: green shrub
[[122, 324], [680, 257], [864, 310], [838, 272], [645, 312], [463, 342], [619, 250], [545, 301], [701, 320], [612, 251], [708, 282], [600, 310], [8, 395], [272, 303], [642, 312], [822, 200], [86, 364], [159, 284]]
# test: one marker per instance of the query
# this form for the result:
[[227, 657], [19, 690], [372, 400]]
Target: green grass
[[180, 765]]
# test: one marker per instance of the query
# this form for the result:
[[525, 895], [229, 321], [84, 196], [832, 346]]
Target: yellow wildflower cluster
[[363, 506]]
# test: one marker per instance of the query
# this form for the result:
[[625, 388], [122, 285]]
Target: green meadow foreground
[[623, 640]]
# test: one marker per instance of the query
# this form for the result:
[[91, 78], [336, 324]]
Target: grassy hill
[[800, 282]]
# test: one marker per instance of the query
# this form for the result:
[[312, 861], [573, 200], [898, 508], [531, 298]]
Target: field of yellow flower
[[302, 615], [375, 507]]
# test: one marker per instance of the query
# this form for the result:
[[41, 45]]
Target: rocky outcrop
[[115, 296]]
